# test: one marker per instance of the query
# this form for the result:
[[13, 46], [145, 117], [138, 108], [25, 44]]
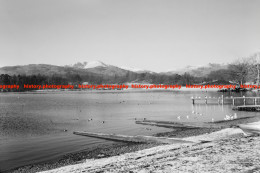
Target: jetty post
[[233, 100], [206, 101], [222, 97], [244, 100]]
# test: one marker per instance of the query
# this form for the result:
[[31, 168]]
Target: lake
[[38, 126]]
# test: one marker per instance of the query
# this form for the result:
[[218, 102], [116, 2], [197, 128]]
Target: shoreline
[[230, 152], [119, 148], [104, 151]]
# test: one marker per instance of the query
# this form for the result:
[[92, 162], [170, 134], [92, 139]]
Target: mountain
[[43, 69], [102, 66], [94, 64], [98, 72], [86, 65], [99, 68], [198, 71], [136, 70], [106, 69], [92, 68]]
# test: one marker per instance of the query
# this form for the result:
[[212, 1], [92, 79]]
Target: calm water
[[36, 127]]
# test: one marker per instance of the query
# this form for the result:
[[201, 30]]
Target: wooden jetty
[[134, 139], [251, 108], [226, 100]]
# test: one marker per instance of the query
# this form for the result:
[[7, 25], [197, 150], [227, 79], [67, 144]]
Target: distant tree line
[[75, 79], [240, 71], [39, 79]]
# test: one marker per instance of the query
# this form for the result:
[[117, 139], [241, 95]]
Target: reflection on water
[[36, 127]]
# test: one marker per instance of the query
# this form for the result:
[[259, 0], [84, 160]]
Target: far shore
[[182, 88], [122, 90]]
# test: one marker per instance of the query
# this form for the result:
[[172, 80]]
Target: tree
[[253, 69], [239, 70]]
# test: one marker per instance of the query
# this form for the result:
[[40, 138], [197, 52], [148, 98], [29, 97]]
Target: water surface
[[37, 127]]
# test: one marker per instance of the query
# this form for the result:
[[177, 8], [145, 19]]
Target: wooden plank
[[224, 133], [215, 136], [223, 121], [134, 139], [167, 125], [183, 125]]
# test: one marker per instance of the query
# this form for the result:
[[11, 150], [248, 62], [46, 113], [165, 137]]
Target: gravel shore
[[233, 154], [104, 151], [119, 148]]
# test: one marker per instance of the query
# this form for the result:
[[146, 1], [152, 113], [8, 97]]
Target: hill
[[201, 71]]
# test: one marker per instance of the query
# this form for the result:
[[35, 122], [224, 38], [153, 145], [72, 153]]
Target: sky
[[157, 35]]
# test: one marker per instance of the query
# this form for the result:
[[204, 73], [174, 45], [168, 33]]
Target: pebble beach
[[121, 148]]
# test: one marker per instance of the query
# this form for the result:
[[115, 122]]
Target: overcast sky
[[156, 35]]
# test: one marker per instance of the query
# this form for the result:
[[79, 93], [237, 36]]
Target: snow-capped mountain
[[197, 71], [182, 70], [102, 68], [99, 65], [136, 70], [131, 69], [94, 64]]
